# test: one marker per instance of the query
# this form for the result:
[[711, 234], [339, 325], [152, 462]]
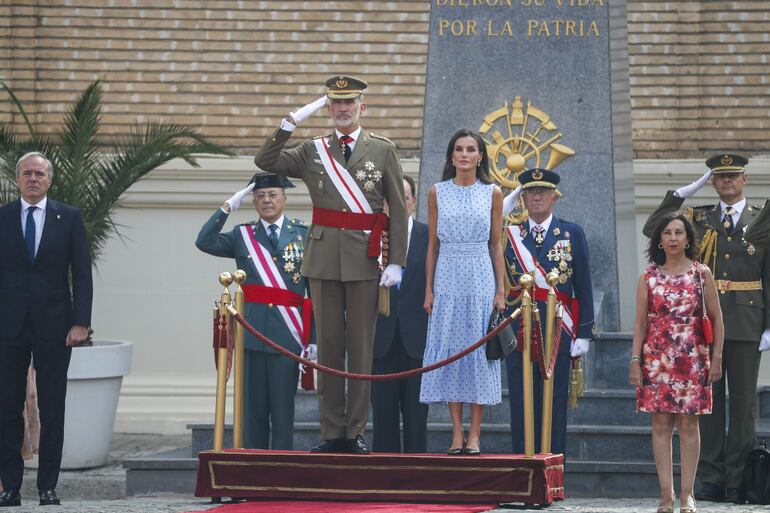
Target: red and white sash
[[344, 183], [271, 277], [528, 265]]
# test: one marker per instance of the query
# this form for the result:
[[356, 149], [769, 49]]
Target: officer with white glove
[[510, 201], [301, 114]]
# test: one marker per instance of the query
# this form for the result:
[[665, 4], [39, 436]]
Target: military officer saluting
[[350, 173], [742, 272], [271, 251], [538, 246]]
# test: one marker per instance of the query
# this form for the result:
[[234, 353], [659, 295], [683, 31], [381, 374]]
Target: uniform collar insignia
[[556, 231]]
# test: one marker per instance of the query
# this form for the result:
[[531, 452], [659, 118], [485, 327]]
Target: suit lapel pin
[[556, 232]]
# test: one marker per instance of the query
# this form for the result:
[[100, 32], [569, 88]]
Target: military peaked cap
[[345, 87], [727, 163], [539, 178]]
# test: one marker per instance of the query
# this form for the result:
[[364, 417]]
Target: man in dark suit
[[399, 343], [42, 244], [270, 379], [742, 274]]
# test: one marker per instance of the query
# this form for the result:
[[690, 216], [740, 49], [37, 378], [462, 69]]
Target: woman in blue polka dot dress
[[464, 281]]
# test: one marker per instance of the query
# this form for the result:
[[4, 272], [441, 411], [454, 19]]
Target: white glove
[[764, 342], [579, 347], [391, 276], [306, 111], [510, 201], [688, 190], [311, 353], [235, 201]]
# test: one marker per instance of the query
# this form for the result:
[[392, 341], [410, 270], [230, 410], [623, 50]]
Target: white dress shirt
[[278, 222], [738, 207], [545, 224]]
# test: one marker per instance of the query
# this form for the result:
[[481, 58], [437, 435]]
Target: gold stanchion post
[[550, 319], [239, 277], [526, 282], [219, 412]]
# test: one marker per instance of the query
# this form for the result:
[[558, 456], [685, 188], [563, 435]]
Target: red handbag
[[706, 323]]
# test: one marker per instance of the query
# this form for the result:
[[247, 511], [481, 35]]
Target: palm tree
[[89, 176]]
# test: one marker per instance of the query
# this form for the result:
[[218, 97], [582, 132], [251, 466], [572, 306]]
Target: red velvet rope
[[370, 377]]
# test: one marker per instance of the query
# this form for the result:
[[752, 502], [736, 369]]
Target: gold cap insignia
[[726, 160], [537, 174], [341, 83]]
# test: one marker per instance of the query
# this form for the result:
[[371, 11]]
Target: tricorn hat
[[267, 180], [345, 87], [727, 163]]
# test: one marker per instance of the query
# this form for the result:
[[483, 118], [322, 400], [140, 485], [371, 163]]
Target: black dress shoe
[[358, 446], [10, 497], [49, 498], [735, 496], [332, 445], [709, 492]]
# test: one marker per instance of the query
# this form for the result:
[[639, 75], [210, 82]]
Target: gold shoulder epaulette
[[381, 137]]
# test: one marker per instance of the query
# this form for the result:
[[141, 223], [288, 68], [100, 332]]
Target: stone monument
[[546, 83]]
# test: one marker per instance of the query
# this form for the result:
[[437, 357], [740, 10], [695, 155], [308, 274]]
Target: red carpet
[[347, 507]]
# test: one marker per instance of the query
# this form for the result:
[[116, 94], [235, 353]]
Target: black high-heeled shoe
[[467, 451], [458, 451]]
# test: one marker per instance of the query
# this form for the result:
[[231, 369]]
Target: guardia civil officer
[[742, 273], [270, 249], [539, 245], [349, 173]]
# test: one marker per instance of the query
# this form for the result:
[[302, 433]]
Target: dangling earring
[[660, 245]]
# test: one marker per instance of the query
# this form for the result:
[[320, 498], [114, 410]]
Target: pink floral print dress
[[675, 358]]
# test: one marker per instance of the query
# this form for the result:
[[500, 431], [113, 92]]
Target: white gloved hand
[[764, 342], [311, 353], [391, 276], [235, 201], [688, 190], [306, 111], [579, 347], [510, 201]]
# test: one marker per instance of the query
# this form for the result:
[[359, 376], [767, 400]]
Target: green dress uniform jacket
[[270, 379], [746, 315], [758, 232], [343, 278], [334, 253]]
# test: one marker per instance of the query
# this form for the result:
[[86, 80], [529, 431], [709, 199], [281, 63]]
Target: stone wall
[[234, 68]]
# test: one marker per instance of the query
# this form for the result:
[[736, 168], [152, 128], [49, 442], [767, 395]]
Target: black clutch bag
[[504, 343]]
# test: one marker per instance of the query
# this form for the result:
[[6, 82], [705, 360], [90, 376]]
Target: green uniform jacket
[[758, 231], [333, 253], [287, 257], [746, 312]]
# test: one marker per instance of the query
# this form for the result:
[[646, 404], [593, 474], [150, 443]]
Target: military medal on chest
[[561, 255], [292, 257], [369, 176]]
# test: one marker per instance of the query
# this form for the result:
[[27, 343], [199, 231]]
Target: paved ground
[[191, 504], [102, 490]]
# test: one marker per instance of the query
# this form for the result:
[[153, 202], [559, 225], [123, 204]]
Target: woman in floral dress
[[670, 363]]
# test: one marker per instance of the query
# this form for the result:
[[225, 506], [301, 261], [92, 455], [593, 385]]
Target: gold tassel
[[576, 383], [383, 301]]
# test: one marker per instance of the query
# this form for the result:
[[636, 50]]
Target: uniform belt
[[282, 297], [728, 285], [377, 223]]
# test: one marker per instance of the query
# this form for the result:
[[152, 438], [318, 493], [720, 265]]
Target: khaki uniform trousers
[[345, 317]]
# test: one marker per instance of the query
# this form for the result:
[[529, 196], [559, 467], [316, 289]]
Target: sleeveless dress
[[464, 290], [675, 356]]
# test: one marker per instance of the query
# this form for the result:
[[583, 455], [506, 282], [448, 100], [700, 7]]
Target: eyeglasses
[[262, 196]]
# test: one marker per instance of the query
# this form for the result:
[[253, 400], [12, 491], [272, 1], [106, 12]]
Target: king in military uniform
[[271, 251], [742, 272], [541, 244], [350, 174]]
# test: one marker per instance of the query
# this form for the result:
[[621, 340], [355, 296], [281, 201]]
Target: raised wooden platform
[[501, 478]]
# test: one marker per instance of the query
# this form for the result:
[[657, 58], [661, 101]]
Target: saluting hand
[[688, 190], [235, 200], [510, 201], [306, 111]]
